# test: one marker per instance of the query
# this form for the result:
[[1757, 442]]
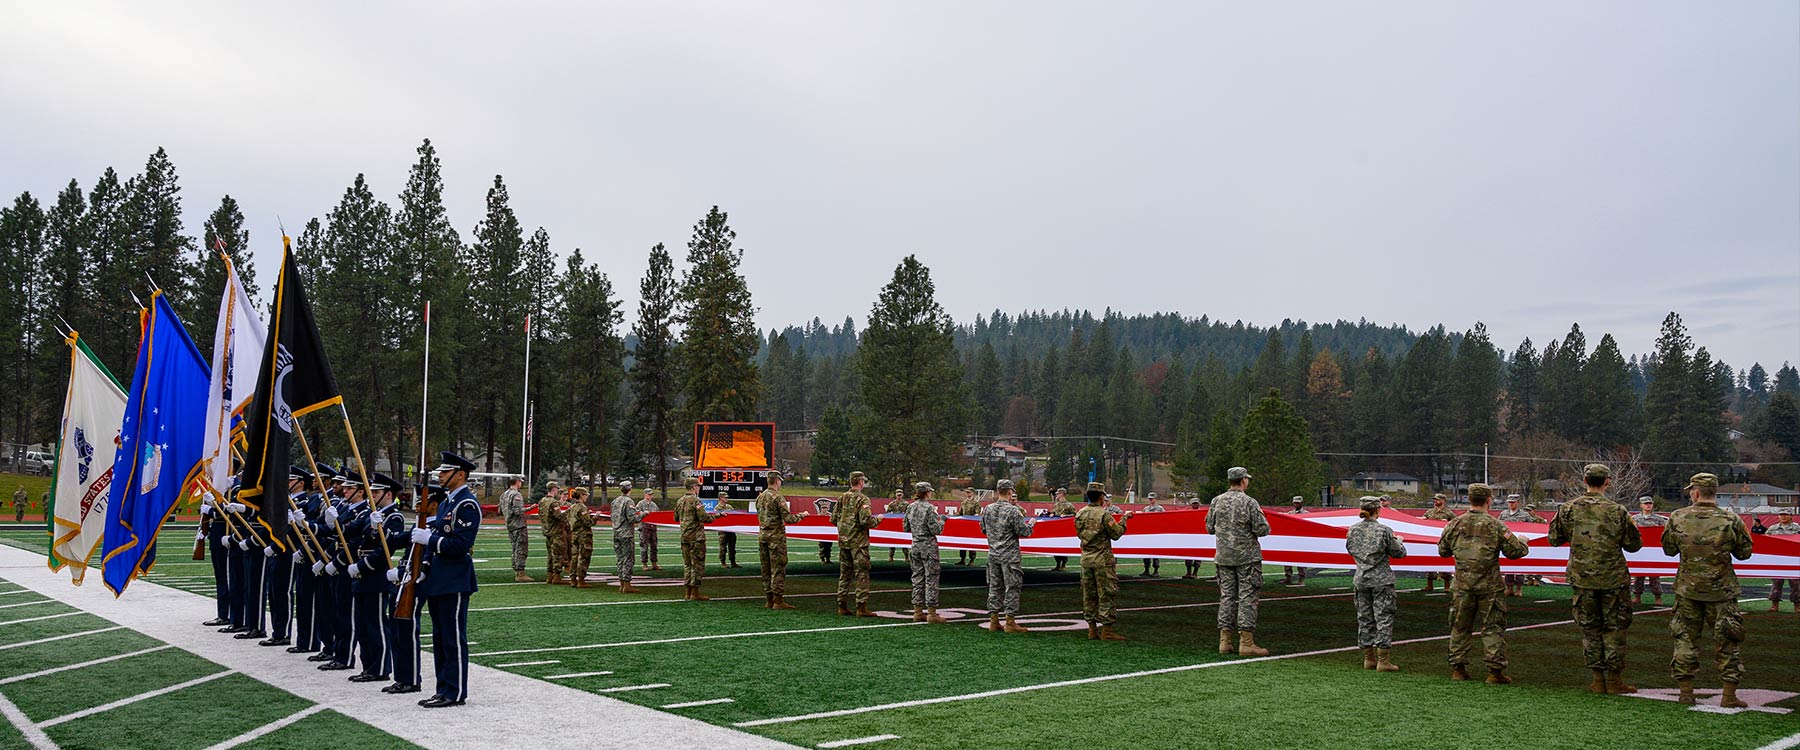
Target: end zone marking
[[629, 688], [573, 675], [89, 663], [258, 732], [122, 702], [692, 704], [60, 637], [859, 741], [528, 663]]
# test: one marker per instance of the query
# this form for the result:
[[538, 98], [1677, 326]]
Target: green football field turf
[[811, 677]]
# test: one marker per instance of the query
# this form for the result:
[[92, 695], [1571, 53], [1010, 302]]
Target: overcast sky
[[1523, 164]]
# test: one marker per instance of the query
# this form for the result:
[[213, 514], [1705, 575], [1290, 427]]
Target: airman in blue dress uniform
[[448, 538]]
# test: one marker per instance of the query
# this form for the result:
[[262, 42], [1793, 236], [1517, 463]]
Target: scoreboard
[[737, 484]]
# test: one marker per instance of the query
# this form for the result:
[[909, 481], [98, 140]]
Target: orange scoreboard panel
[[734, 445]]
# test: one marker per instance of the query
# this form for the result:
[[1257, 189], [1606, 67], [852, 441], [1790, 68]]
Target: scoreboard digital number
[[737, 484]]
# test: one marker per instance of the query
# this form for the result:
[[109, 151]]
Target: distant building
[[1382, 481], [1747, 495], [1007, 451]]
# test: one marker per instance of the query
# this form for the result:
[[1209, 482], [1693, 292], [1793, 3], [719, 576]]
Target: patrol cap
[[382, 482], [1235, 473], [1480, 491], [626, 484], [1646, 500], [1784, 511], [1096, 487], [1596, 471], [1151, 496], [1702, 479], [1369, 504], [922, 487], [1004, 485], [449, 461], [856, 476], [295, 472], [1439, 496], [1299, 500]]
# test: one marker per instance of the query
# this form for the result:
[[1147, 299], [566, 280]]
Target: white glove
[[318, 568], [199, 535], [355, 570], [268, 552], [393, 575], [295, 516], [206, 508], [330, 518], [236, 507], [297, 559], [421, 536], [244, 544], [331, 569]]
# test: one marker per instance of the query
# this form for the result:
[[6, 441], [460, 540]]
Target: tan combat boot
[[1093, 632], [1368, 653], [843, 607], [687, 593], [1012, 626], [699, 597], [994, 623], [1687, 692], [862, 610], [1227, 642], [1247, 644], [768, 601], [626, 588], [1498, 677], [1598, 684], [520, 577], [1384, 661], [1459, 673], [1729, 699], [1107, 634], [918, 615], [1616, 685], [781, 602], [934, 618]]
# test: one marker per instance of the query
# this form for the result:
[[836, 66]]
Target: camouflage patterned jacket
[[773, 516], [853, 518], [969, 507], [1372, 543], [693, 518], [1599, 533], [579, 518], [1783, 529], [1004, 524], [896, 506], [625, 517], [1235, 520], [1519, 516], [1476, 540], [1062, 508], [1435, 513], [1097, 528], [1706, 537], [1646, 520], [922, 521]]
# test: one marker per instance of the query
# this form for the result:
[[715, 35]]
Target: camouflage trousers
[[1638, 585], [556, 548], [1375, 608], [1694, 620], [517, 535], [1099, 590], [853, 571], [771, 554], [581, 554], [625, 549], [1603, 616], [1005, 578], [1473, 613], [1239, 587], [693, 560], [727, 548], [647, 544], [1793, 587], [927, 567]]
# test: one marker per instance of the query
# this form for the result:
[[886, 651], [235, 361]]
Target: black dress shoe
[[216, 622], [333, 666], [274, 642], [299, 650], [368, 678], [399, 689], [437, 701], [250, 634], [321, 656], [231, 629]]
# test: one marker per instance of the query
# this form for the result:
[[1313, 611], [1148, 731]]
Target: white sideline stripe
[[758, 597], [695, 638], [45, 617], [692, 704], [23, 644], [1790, 741], [629, 688], [528, 663], [859, 741], [573, 675], [14, 591], [265, 729], [1101, 678], [34, 734], [89, 663], [122, 702], [26, 604]]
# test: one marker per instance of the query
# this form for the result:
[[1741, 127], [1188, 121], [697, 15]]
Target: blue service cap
[[452, 462]]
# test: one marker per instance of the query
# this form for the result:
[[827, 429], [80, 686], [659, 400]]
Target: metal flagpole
[[525, 406], [424, 404]]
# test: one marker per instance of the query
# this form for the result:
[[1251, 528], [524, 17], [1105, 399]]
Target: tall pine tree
[[719, 339], [910, 385]]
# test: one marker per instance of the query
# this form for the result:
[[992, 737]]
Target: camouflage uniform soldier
[[924, 523], [1152, 566], [1061, 509], [854, 518], [1193, 566], [772, 518], [968, 507], [1515, 584], [1437, 512], [581, 537], [693, 519], [1004, 524], [1706, 537], [1599, 532], [727, 539], [1784, 526], [1643, 519], [1372, 543], [896, 507], [625, 520], [556, 537], [1236, 521], [646, 532], [1476, 541], [1288, 571], [823, 506], [512, 509], [20, 498], [1097, 529]]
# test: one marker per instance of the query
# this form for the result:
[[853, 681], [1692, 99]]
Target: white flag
[[92, 412], [237, 352]]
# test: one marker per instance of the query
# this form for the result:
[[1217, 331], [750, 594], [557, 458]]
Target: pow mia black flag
[[294, 379]]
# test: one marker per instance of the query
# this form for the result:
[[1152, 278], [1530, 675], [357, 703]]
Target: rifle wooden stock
[[407, 600], [200, 544]]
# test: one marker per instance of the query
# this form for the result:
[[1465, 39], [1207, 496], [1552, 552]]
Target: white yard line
[[575, 675], [528, 663], [26, 604], [757, 597], [692, 704], [1790, 741], [268, 728], [859, 741], [23, 644], [34, 734], [45, 617], [16, 591], [123, 702], [719, 636], [632, 688], [92, 662], [490, 719]]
